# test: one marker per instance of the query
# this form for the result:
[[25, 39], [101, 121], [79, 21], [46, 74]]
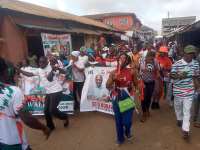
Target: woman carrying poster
[[123, 81]]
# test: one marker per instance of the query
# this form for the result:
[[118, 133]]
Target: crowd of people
[[150, 73]]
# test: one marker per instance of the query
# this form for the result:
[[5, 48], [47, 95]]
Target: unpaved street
[[95, 131]]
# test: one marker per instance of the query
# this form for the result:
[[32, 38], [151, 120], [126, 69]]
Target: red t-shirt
[[124, 77]]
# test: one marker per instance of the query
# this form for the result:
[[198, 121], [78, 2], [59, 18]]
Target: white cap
[[75, 53]]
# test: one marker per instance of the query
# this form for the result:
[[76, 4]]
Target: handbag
[[125, 103]]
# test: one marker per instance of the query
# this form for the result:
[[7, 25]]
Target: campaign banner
[[95, 95], [35, 103], [56, 43]]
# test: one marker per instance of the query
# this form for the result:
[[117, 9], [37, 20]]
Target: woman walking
[[122, 82], [149, 72]]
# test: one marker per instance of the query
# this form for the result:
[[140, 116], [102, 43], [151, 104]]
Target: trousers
[[77, 91], [123, 122], [183, 111], [148, 92], [50, 109]]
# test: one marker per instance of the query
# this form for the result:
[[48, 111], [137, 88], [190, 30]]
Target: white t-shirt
[[50, 87], [11, 101], [55, 85], [84, 59], [78, 76]]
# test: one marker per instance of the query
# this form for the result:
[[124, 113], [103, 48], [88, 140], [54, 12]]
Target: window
[[123, 21], [109, 22]]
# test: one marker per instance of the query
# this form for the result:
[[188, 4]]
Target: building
[[119, 20], [172, 24], [126, 22], [186, 35], [147, 34], [21, 25]]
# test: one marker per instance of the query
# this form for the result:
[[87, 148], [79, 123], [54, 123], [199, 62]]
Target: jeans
[[50, 109], [123, 122]]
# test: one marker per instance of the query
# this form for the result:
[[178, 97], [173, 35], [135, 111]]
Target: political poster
[[56, 43], [95, 95], [35, 103]]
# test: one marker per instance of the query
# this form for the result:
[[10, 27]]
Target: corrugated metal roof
[[188, 28], [47, 12]]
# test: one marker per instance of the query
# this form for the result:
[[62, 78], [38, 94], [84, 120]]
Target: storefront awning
[[44, 28], [68, 30]]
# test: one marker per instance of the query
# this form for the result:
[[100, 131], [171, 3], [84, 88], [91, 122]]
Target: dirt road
[[96, 131]]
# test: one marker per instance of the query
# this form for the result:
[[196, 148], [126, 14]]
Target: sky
[[150, 12]]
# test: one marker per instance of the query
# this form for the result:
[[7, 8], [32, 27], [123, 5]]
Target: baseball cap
[[190, 49]]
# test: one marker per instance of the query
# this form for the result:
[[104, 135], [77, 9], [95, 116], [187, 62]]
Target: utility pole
[[168, 14]]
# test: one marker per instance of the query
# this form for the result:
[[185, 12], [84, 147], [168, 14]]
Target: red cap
[[163, 49]]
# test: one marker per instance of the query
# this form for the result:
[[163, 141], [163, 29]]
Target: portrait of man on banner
[[99, 91]]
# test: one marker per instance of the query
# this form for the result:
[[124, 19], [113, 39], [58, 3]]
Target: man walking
[[183, 73]]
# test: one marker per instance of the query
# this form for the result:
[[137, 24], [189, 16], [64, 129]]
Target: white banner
[[95, 95], [55, 43]]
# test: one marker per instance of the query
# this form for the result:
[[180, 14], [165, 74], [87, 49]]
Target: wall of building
[[123, 23], [14, 47]]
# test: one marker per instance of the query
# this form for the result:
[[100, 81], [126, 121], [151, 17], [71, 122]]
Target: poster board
[[95, 95], [56, 43]]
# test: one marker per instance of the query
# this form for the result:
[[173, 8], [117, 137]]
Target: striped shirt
[[184, 88]]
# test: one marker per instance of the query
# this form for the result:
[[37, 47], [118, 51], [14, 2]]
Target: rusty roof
[[33, 9]]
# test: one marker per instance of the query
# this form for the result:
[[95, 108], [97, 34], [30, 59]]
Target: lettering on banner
[[65, 106], [90, 72], [102, 106]]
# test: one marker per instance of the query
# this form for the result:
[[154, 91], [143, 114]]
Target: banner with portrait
[[56, 43], [95, 95], [35, 102]]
